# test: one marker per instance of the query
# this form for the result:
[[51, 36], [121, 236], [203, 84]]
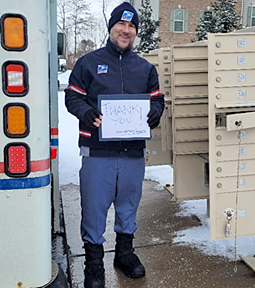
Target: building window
[[201, 15], [205, 15], [251, 16], [179, 20]]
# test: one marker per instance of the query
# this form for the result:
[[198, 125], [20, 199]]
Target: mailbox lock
[[219, 169], [218, 153], [166, 69], [219, 185], [165, 57], [218, 62], [229, 212], [218, 137], [218, 79], [218, 96], [218, 44], [238, 123]]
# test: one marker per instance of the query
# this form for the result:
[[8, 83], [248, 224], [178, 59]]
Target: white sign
[[124, 117]]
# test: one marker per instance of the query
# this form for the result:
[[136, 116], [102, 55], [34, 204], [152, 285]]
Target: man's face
[[122, 34]]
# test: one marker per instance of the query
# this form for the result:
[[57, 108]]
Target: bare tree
[[63, 10], [106, 8], [79, 19]]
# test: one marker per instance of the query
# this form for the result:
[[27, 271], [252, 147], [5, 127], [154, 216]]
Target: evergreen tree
[[221, 18], [148, 27]]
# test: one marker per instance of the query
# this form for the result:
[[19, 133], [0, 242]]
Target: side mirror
[[61, 43]]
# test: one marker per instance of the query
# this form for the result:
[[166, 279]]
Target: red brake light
[[17, 160]]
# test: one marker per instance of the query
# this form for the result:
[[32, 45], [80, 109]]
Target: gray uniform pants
[[107, 180]]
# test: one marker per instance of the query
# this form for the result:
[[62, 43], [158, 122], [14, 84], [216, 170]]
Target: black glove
[[153, 119], [90, 117]]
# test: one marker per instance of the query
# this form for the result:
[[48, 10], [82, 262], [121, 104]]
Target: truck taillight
[[16, 120], [53, 153], [15, 78], [17, 160], [13, 32]]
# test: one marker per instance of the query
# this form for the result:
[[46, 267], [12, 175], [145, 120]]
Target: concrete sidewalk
[[168, 265]]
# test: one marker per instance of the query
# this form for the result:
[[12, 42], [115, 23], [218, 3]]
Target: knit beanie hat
[[124, 12]]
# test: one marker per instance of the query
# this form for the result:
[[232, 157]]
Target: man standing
[[112, 171]]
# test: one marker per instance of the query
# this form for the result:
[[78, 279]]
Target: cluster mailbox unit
[[207, 133]]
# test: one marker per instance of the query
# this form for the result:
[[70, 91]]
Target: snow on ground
[[197, 236]]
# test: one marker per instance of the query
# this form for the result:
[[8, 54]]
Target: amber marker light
[[16, 120], [13, 32]]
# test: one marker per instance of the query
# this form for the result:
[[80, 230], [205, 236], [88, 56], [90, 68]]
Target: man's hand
[[92, 118], [153, 118]]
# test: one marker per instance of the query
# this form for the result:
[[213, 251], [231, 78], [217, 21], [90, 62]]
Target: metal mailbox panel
[[192, 78], [192, 122], [154, 149], [224, 137], [192, 166], [166, 129], [233, 152], [234, 61], [191, 91], [190, 51], [191, 110], [191, 65], [233, 43], [166, 68], [165, 52], [229, 184], [191, 147], [188, 101], [224, 169], [166, 81], [168, 95], [240, 120], [152, 58], [191, 135], [245, 215], [234, 78], [168, 108], [235, 94]]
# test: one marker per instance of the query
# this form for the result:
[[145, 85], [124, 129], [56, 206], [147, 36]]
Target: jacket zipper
[[121, 75]]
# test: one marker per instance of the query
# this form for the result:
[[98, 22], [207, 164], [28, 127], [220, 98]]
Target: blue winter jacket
[[109, 71]]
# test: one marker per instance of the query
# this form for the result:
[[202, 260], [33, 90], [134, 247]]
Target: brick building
[[179, 18]]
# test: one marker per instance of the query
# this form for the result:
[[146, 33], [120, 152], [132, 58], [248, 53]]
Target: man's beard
[[122, 49]]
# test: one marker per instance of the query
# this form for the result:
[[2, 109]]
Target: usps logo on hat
[[127, 16], [102, 69]]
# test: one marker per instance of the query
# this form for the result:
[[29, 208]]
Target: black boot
[[125, 259], [94, 266]]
